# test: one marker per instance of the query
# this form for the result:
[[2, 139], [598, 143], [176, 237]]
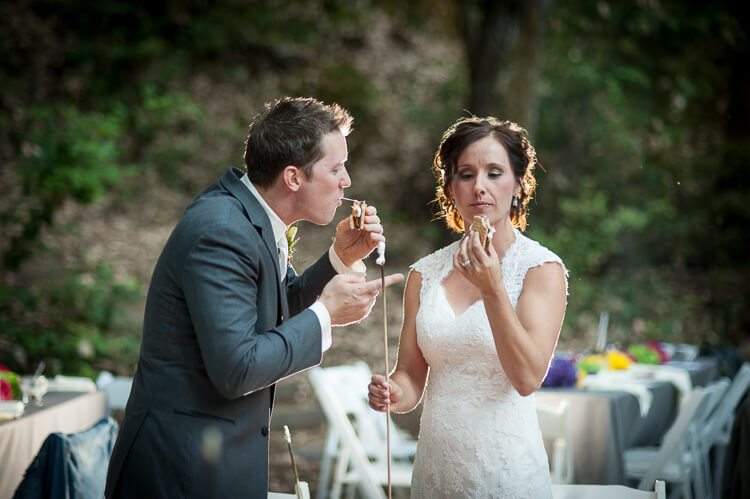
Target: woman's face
[[484, 183]]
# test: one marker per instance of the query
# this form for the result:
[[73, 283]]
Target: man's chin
[[325, 219]]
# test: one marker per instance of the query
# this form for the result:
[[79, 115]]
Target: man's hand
[[349, 298], [355, 244]]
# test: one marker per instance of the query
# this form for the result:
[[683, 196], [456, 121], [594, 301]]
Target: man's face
[[321, 193]]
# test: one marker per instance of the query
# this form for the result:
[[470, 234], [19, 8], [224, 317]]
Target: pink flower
[[6, 392]]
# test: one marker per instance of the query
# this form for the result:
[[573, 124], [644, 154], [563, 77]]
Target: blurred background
[[114, 115]]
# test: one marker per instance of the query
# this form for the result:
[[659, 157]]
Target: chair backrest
[[554, 422], [349, 383], [677, 433], [567, 491], [719, 422], [338, 418], [713, 394], [72, 465]]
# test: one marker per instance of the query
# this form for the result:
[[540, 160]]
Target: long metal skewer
[[381, 261], [288, 437]]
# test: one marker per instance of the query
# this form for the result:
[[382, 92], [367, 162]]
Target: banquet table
[[21, 439], [606, 423]]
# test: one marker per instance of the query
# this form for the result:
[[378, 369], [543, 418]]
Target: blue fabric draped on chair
[[71, 466]]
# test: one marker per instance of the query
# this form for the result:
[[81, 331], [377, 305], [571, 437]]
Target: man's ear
[[292, 178]]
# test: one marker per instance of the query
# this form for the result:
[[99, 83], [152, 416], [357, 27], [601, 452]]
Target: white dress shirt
[[279, 229]]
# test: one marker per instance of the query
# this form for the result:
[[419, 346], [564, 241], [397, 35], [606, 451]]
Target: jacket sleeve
[[303, 290]]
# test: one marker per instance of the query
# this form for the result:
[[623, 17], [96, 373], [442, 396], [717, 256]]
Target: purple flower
[[562, 372]]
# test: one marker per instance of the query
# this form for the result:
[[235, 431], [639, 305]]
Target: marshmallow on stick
[[357, 218]]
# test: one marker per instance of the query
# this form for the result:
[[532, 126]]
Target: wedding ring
[[465, 263]]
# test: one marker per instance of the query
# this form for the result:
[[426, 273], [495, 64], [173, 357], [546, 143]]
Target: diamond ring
[[465, 263]]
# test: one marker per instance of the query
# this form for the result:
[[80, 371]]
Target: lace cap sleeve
[[436, 266], [532, 254]]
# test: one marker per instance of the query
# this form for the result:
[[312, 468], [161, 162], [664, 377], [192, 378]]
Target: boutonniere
[[291, 240]]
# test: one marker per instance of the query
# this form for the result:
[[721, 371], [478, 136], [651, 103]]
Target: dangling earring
[[515, 201]]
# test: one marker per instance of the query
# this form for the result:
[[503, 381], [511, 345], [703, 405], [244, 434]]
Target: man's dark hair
[[289, 132]]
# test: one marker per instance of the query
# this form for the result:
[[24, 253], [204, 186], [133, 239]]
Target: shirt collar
[[277, 225]]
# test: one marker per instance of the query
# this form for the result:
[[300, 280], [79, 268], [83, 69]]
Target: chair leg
[[686, 488], [339, 474], [329, 453]]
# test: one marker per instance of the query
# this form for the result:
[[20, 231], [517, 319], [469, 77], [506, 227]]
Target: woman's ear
[[291, 175], [448, 190]]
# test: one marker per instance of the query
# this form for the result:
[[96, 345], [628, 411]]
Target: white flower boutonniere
[[291, 240]]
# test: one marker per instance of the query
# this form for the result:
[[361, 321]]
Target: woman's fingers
[[378, 393]]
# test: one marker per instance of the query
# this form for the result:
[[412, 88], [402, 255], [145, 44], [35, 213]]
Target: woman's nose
[[479, 186]]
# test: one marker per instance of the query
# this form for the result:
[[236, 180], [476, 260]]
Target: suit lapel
[[232, 182]]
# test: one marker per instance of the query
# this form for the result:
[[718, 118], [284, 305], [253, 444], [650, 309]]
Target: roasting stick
[[288, 438], [381, 261]]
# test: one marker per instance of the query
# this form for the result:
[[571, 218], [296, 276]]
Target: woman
[[483, 323]]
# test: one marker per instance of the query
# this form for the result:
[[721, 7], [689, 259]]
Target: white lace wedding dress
[[478, 437]]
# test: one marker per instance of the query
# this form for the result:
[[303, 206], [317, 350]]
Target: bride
[[482, 322]]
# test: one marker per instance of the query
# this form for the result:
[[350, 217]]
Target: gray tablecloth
[[605, 423], [21, 439]]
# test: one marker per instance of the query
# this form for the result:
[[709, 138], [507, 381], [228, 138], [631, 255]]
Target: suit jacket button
[[264, 431]]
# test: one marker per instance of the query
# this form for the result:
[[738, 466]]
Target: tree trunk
[[505, 46]]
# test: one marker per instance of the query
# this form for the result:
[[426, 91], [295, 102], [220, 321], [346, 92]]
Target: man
[[226, 317]]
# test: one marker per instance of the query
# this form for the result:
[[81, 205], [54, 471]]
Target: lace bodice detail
[[478, 437]]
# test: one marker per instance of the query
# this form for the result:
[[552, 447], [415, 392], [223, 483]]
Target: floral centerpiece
[[9, 384]]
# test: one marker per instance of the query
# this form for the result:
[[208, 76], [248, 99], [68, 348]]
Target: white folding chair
[[569, 491], [717, 426], [356, 434], [554, 421], [675, 460], [304, 493], [713, 393], [117, 389]]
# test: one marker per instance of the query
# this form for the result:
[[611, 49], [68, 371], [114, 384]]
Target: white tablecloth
[[21, 439]]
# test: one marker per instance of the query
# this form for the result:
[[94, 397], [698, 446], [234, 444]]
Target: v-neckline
[[450, 305]]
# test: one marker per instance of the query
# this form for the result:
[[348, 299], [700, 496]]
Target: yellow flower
[[291, 233], [618, 360]]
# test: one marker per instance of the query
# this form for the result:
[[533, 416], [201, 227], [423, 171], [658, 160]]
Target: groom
[[227, 317]]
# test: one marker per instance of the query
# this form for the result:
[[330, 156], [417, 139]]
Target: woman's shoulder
[[533, 254], [436, 261]]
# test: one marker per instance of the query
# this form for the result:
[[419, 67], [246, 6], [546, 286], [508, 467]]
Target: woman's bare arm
[[407, 381]]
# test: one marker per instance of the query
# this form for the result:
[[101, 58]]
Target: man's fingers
[[375, 284]]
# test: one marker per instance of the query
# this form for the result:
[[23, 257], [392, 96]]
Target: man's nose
[[346, 181]]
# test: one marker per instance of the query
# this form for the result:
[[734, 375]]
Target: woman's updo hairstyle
[[461, 135]]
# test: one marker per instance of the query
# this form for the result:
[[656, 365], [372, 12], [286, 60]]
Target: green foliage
[[632, 132], [68, 154], [77, 324]]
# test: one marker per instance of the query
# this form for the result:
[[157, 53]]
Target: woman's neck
[[504, 237]]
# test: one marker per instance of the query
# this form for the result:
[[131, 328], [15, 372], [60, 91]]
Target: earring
[[515, 201]]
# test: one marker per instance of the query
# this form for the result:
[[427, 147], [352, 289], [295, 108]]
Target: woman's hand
[[480, 267], [382, 393]]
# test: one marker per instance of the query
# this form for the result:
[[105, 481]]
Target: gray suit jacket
[[219, 331]]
